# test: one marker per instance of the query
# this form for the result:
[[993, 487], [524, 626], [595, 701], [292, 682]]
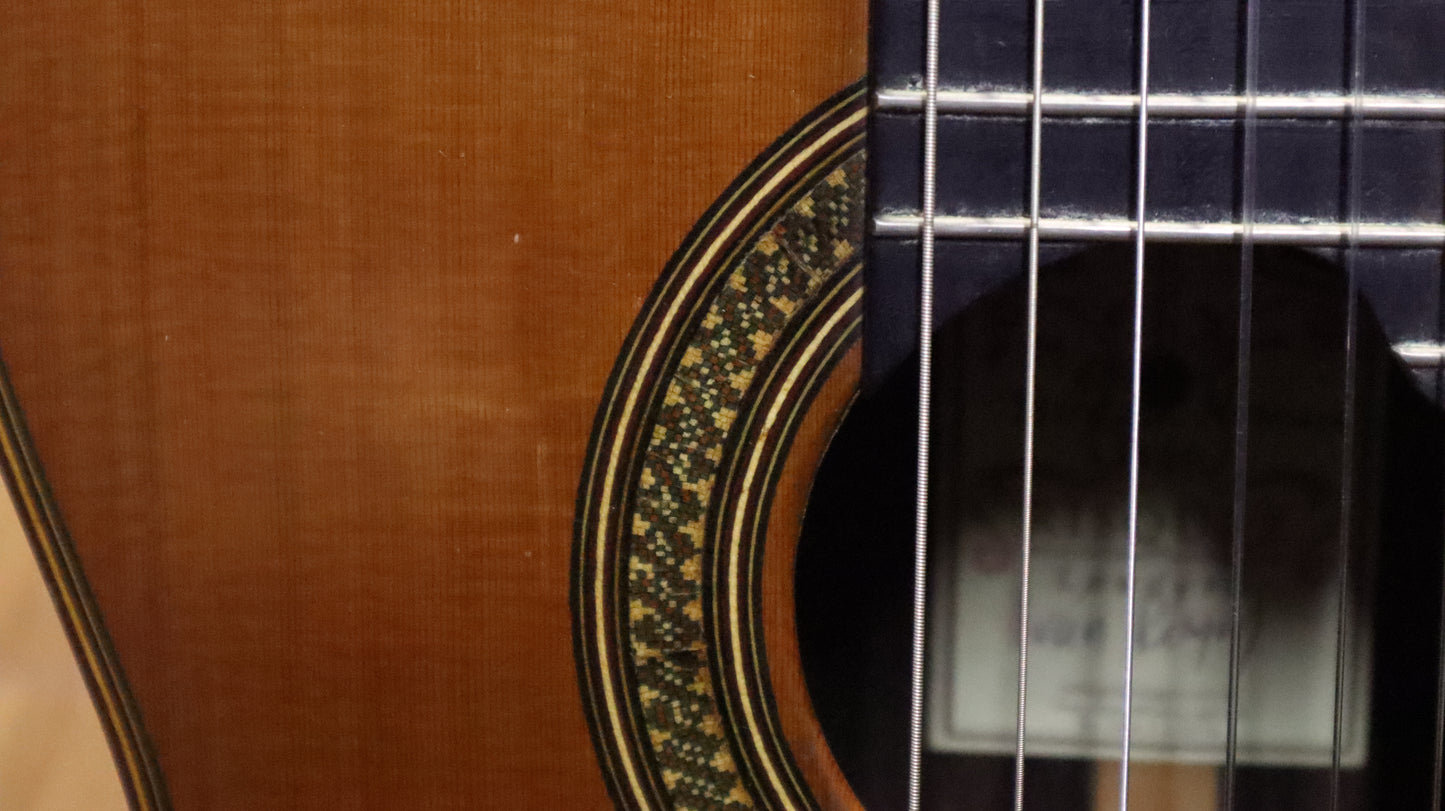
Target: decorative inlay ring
[[737, 336]]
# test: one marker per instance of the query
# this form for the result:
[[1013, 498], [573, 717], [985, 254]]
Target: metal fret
[[1305, 234], [1419, 355], [1166, 105]]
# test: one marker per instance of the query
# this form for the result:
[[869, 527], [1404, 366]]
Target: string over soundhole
[[852, 571]]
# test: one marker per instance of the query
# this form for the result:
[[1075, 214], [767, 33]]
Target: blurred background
[[53, 754]]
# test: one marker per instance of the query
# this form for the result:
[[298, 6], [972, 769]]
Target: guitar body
[[309, 311]]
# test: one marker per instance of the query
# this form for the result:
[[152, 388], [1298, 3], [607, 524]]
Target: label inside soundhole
[[1182, 639], [1290, 600]]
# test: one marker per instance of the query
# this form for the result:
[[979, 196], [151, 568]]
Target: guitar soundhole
[[854, 567]]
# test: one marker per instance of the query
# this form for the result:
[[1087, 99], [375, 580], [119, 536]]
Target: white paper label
[[1181, 662]]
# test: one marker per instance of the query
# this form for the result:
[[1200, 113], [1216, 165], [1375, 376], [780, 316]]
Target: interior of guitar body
[[1232, 575]]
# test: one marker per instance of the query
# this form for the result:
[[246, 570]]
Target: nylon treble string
[[1354, 200], [1036, 139], [1141, 188], [1249, 171]]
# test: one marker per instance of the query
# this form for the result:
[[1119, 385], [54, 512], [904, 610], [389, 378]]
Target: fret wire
[[925, 394], [1305, 234], [1140, 236], [1417, 355], [1247, 216], [1168, 105], [1036, 139], [1355, 133]]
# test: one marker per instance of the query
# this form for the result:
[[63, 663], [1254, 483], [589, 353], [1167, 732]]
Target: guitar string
[[1247, 216], [1437, 778], [1437, 781], [1036, 140], [925, 393], [1353, 150], [924, 407], [1140, 218]]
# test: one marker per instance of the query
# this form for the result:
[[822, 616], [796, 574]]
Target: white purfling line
[[612, 459], [755, 460], [1164, 105], [1321, 234]]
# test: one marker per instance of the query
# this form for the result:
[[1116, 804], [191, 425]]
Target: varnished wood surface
[[309, 306], [1159, 787], [785, 527]]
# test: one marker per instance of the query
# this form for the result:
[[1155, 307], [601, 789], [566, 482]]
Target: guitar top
[[456, 405], [309, 309]]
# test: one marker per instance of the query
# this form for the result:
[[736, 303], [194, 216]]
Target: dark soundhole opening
[[854, 565]]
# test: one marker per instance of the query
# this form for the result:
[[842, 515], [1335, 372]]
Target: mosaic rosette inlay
[[782, 245]]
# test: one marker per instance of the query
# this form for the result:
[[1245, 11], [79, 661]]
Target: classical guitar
[[937, 405]]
